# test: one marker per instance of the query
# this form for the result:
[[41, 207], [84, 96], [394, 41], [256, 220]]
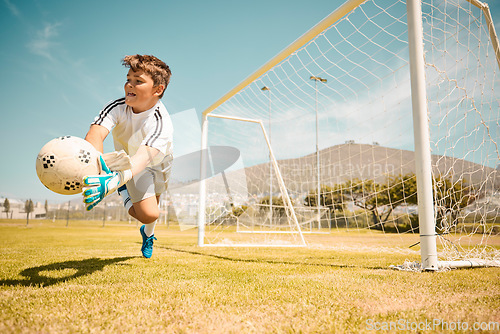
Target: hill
[[363, 161], [348, 161]]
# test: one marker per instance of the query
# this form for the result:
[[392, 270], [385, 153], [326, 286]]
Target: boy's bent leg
[[146, 211], [145, 207]]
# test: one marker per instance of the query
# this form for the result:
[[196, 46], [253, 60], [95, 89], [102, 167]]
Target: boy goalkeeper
[[141, 126]]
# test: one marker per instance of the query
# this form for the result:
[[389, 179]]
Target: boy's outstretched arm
[[99, 186], [96, 136]]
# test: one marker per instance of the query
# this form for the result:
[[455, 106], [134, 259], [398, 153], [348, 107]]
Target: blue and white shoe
[[147, 243]]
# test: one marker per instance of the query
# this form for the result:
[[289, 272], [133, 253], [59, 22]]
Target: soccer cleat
[[147, 243]]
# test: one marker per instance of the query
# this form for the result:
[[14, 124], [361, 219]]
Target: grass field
[[85, 279]]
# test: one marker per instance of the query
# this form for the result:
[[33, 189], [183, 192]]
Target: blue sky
[[61, 64]]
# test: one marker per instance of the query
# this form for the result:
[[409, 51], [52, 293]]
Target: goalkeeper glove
[[96, 187]]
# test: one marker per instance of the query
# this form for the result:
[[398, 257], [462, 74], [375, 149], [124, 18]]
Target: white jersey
[[152, 128]]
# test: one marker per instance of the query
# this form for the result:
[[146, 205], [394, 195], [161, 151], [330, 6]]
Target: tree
[[239, 210], [330, 197], [378, 199], [450, 197], [28, 207], [46, 209], [278, 205], [6, 207], [399, 190], [368, 195]]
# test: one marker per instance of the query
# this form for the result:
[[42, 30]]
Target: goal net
[[337, 113]]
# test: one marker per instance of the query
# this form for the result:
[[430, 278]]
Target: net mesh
[[338, 115]]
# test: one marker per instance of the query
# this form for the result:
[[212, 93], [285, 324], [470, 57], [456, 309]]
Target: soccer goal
[[381, 121]]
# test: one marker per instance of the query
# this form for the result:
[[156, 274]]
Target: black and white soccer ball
[[62, 163]]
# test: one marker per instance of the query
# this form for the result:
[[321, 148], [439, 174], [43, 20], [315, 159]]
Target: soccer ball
[[63, 162]]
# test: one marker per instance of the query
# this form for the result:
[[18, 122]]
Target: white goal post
[[447, 162], [290, 212]]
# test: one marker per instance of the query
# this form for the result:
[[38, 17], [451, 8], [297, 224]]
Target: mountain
[[363, 161], [349, 161]]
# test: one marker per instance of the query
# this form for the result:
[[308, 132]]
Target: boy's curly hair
[[157, 69]]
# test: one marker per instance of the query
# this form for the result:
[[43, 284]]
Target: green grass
[[85, 278]]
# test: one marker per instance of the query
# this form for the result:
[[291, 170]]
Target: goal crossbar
[[298, 43]]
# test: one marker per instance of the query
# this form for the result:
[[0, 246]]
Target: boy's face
[[140, 92]]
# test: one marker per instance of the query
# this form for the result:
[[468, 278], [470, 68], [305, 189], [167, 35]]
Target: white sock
[[127, 203], [149, 229]]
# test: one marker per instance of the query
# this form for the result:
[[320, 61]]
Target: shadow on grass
[[226, 258], [41, 275]]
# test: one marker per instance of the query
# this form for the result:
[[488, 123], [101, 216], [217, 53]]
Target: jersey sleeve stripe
[[158, 129], [107, 109]]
